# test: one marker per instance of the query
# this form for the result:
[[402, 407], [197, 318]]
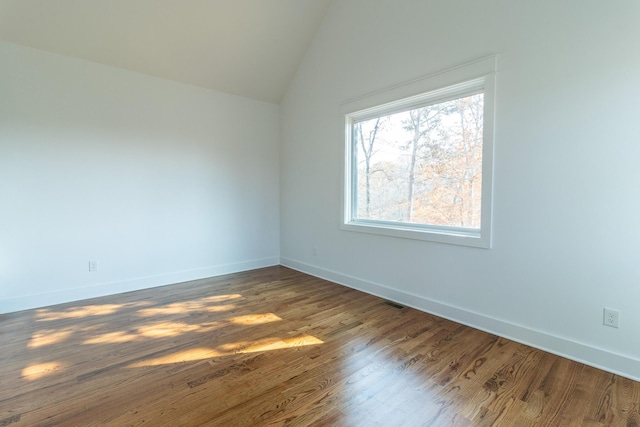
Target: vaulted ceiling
[[245, 47]]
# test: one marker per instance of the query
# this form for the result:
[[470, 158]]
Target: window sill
[[448, 235]]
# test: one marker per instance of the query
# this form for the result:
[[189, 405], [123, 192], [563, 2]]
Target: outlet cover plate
[[611, 318]]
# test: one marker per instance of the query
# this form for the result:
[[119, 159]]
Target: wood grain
[[275, 347]]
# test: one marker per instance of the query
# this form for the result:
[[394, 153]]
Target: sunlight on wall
[[39, 370]]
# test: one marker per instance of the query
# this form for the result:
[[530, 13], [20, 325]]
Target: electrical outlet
[[611, 318], [93, 266]]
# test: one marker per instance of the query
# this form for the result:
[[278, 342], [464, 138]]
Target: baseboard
[[597, 357], [27, 302]]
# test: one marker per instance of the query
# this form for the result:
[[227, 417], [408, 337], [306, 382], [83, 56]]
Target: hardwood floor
[[276, 347]]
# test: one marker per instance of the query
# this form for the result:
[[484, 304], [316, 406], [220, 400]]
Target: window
[[418, 158]]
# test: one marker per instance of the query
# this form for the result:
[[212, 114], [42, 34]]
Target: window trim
[[449, 84]]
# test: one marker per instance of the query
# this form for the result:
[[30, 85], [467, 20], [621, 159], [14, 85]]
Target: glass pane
[[422, 166]]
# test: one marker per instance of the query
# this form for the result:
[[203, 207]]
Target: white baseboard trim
[[27, 302], [615, 363]]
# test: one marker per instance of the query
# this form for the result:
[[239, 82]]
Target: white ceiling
[[245, 47]]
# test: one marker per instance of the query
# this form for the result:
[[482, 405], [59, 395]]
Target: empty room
[[319, 213]]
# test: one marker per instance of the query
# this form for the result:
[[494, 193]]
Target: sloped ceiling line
[[250, 48]]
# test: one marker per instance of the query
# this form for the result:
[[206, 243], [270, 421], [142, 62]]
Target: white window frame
[[478, 76]]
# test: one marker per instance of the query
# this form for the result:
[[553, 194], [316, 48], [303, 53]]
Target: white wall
[[158, 181], [566, 167]]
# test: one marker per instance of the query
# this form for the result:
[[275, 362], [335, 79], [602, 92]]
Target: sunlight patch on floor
[[218, 298], [191, 355], [173, 329], [47, 315], [79, 312], [39, 370], [112, 338], [168, 329], [184, 307], [255, 319], [280, 344], [49, 337], [202, 353]]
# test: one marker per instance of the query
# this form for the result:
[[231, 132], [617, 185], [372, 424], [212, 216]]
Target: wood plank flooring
[[275, 347]]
